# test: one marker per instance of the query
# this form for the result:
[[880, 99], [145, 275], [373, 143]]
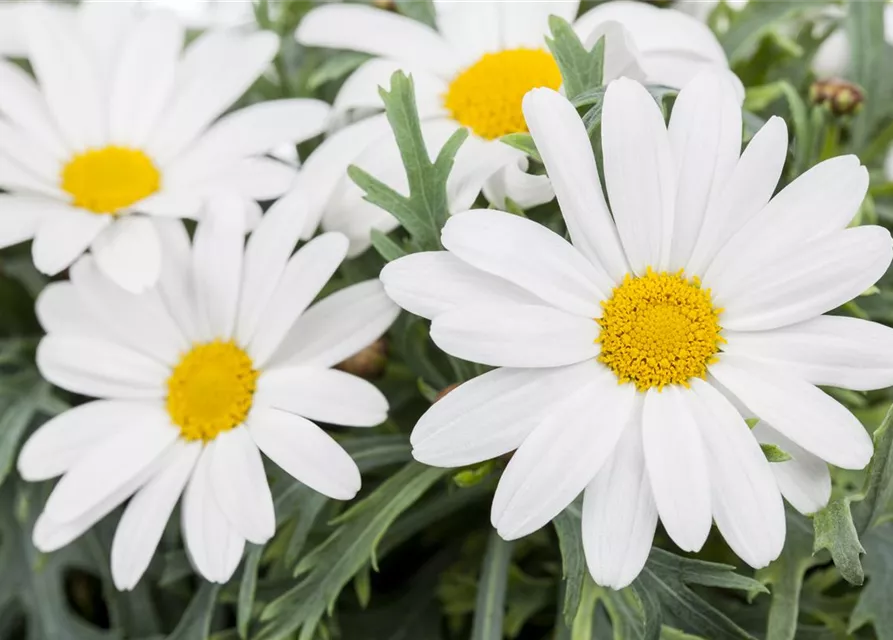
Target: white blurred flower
[[630, 356], [473, 71], [123, 124], [204, 14], [832, 60], [224, 359]]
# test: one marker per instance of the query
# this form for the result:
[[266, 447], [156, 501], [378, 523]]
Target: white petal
[[832, 59], [217, 265], [529, 255], [21, 148], [247, 132], [619, 514], [492, 414], [514, 335], [763, 294], [622, 58], [825, 351], [94, 367], [677, 466], [745, 193], [16, 179], [512, 182], [303, 278], [747, 506], [240, 484], [22, 103], [50, 535], [267, 252], [112, 463], [60, 309], [377, 32], [525, 24], [144, 77], [639, 174], [61, 238], [658, 31], [360, 89], [20, 218], [339, 326], [104, 28], [175, 285], [562, 455], [145, 517], [65, 439], [797, 409], [67, 77], [471, 28], [166, 204], [258, 178], [217, 68], [305, 452], [821, 201], [322, 395], [214, 547], [564, 145], [804, 480], [139, 322], [433, 282], [325, 168], [705, 137], [129, 253]]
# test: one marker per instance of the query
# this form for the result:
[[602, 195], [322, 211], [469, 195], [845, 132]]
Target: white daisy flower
[[224, 359], [474, 70], [123, 124], [628, 354]]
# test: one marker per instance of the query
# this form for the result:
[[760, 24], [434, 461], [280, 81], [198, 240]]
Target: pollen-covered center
[[211, 390], [659, 329], [486, 97], [109, 179]]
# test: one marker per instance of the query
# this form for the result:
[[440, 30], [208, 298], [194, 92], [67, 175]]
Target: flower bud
[[368, 363], [841, 97]]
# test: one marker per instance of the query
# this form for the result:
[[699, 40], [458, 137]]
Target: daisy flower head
[[687, 300], [122, 124], [473, 71], [225, 358]]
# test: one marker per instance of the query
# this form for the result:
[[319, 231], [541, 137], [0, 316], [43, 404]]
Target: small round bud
[[446, 390], [368, 363], [841, 97]]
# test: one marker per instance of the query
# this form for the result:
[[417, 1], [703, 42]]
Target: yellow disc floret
[[659, 329], [211, 390], [109, 179], [486, 97]]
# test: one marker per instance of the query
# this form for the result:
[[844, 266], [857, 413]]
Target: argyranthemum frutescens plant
[[414, 553]]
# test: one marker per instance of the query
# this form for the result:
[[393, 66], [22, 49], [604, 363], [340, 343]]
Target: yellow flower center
[[659, 329], [109, 179], [486, 97], [211, 390]]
